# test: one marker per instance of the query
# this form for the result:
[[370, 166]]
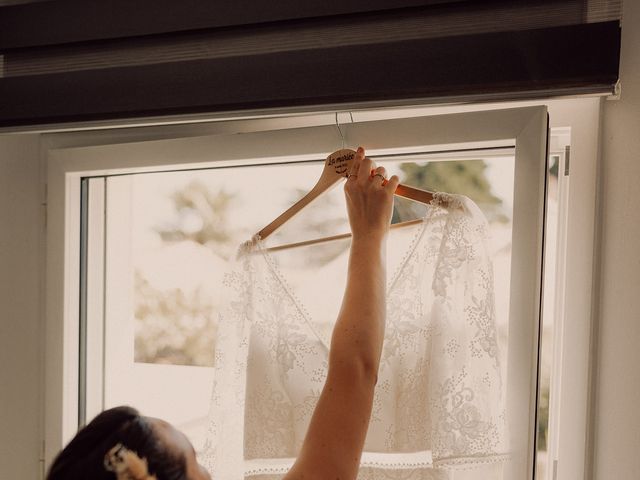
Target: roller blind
[[69, 61]]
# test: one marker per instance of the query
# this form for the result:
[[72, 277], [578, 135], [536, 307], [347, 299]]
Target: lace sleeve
[[222, 454], [466, 392]]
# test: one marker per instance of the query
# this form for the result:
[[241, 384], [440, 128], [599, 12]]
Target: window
[[169, 237], [149, 212]]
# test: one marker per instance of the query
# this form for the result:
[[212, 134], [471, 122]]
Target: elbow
[[360, 371], [369, 371]]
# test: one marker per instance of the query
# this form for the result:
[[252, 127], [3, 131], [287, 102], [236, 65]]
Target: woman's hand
[[369, 198]]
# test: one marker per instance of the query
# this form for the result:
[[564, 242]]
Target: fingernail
[[360, 149]]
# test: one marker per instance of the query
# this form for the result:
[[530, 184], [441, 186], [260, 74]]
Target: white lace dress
[[438, 405]]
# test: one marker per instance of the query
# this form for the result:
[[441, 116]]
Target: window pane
[[170, 237]]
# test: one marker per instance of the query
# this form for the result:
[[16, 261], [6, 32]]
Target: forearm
[[333, 445], [359, 331]]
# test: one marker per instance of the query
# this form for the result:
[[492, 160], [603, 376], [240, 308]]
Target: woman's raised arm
[[333, 444]]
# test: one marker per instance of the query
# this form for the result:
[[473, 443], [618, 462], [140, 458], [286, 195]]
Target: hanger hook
[[340, 130]]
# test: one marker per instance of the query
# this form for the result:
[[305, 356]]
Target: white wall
[[20, 280], [617, 407]]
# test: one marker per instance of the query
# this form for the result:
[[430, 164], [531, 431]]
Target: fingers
[[376, 177], [352, 175], [377, 180], [364, 176], [392, 184], [369, 196]]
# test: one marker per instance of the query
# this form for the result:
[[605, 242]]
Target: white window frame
[[69, 157]]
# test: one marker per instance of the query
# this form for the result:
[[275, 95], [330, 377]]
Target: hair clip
[[126, 464]]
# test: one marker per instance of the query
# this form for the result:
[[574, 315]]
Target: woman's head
[[166, 451]]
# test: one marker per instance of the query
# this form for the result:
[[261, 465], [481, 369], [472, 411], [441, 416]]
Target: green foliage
[[173, 327], [466, 177], [201, 216], [543, 418]]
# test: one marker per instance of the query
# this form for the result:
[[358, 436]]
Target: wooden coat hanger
[[336, 167]]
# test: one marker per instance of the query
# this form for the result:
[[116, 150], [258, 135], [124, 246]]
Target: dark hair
[[83, 457]]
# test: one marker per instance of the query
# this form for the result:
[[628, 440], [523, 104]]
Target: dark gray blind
[[142, 61], [336, 31]]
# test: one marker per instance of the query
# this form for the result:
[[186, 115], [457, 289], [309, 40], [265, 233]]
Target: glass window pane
[[171, 234]]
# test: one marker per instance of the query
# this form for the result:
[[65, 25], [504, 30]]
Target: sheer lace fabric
[[438, 405]]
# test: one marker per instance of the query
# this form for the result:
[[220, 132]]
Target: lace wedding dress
[[439, 404]]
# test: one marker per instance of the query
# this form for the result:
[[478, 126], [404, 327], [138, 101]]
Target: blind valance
[[170, 58]]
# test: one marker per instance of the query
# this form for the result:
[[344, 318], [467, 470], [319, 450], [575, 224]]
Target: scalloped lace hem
[[463, 463], [385, 461]]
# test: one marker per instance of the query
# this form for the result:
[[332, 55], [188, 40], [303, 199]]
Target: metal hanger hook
[[339, 129]]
